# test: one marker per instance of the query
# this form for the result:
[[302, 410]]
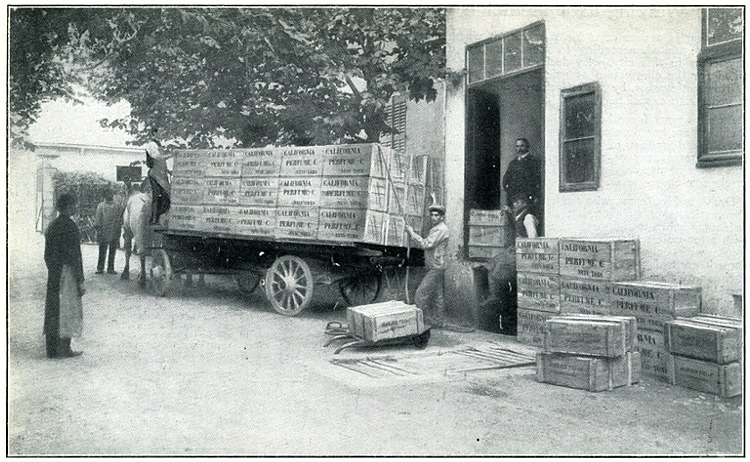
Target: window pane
[[580, 116], [533, 46], [476, 64], [724, 24], [724, 80], [724, 131], [512, 52], [579, 161], [494, 52]]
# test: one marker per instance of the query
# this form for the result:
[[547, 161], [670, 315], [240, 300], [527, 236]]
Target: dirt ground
[[207, 371]]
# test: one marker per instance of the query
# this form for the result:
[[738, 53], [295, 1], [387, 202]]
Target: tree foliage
[[87, 187], [254, 75]]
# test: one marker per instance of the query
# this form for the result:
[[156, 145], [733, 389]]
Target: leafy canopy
[[255, 76]]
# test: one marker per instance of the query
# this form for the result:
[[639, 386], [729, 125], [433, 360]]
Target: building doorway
[[499, 111]]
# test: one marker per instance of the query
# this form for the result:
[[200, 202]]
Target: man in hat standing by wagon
[[430, 293], [63, 310]]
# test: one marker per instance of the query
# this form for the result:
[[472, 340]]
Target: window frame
[[593, 185], [715, 53]]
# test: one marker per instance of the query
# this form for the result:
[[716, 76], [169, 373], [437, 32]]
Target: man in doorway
[[108, 228], [158, 176], [524, 174], [430, 293]]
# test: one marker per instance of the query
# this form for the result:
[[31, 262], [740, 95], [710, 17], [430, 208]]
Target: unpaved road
[[208, 371]]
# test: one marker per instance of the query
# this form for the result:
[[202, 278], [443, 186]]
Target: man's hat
[[437, 208]]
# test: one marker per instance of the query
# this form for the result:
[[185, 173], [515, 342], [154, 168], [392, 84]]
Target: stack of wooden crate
[[490, 231], [705, 353], [589, 352], [538, 286], [654, 304], [341, 193]]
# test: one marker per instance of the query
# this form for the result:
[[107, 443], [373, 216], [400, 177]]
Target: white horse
[[136, 232]]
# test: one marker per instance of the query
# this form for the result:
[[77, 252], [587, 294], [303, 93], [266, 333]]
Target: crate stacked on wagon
[[705, 354], [589, 352], [654, 304]]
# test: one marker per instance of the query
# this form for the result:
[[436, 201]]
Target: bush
[[87, 187]]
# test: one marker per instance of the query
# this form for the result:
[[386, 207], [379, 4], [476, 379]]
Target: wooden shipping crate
[[259, 191], [588, 337], [484, 252], [218, 219], [261, 162], [225, 163], [654, 355], [699, 340], [189, 164], [383, 321], [187, 190], [301, 161], [538, 255], [587, 372], [585, 296], [654, 303], [354, 225], [222, 191], [297, 223], [185, 217], [530, 326], [629, 322], [724, 380], [395, 231], [255, 221], [603, 259], [299, 191], [716, 320], [418, 170], [488, 217], [365, 159], [540, 292], [356, 192]]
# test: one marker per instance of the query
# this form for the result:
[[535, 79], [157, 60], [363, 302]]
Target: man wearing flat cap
[[429, 297]]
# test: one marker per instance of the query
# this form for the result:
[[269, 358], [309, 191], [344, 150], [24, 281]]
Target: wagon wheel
[[362, 289], [289, 285], [160, 272], [247, 281]]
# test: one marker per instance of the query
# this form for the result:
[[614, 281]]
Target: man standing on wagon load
[[430, 293], [158, 176]]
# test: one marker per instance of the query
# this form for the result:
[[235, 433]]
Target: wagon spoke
[[289, 285]]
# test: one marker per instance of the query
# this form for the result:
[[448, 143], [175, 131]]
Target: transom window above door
[[519, 50]]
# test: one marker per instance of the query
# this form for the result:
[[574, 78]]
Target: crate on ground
[[655, 303], [704, 340], [654, 354], [387, 320], [590, 336], [602, 259], [537, 291], [530, 326], [538, 255], [724, 380], [585, 296], [588, 372], [629, 322], [489, 232]]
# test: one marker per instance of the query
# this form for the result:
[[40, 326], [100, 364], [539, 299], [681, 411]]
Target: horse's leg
[[202, 280], [128, 251]]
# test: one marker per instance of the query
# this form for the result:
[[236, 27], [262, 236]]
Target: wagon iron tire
[[289, 285], [247, 281], [361, 290], [160, 272]]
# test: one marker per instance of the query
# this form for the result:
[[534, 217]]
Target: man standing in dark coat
[[63, 310], [524, 174]]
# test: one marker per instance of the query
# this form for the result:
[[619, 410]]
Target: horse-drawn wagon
[[289, 219]]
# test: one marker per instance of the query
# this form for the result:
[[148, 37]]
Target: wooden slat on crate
[[261, 162], [540, 292], [255, 221], [654, 303], [395, 234], [260, 191], [586, 372], [585, 296], [225, 163], [538, 255], [530, 326], [704, 341], [356, 192], [189, 164], [353, 225], [299, 191], [588, 337], [654, 355], [187, 190], [629, 322], [297, 223], [603, 259], [385, 321], [724, 380], [418, 170], [222, 191], [302, 161]]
